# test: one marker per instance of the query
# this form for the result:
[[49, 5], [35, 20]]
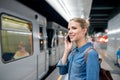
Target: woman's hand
[[68, 47]]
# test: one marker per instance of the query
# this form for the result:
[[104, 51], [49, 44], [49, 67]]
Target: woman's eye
[[68, 29], [74, 28]]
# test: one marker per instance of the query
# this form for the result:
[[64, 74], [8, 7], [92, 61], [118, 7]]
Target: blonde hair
[[83, 23], [118, 47], [22, 44]]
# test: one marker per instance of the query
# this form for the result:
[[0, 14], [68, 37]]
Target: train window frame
[[28, 32]]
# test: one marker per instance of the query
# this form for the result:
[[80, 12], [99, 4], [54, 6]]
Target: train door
[[63, 33], [51, 45], [43, 55], [17, 61], [53, 42]]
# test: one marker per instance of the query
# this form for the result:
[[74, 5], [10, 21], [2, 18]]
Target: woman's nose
[[70, 31]]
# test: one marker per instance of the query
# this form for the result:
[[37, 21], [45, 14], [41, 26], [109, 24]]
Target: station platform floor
[[107, 63]]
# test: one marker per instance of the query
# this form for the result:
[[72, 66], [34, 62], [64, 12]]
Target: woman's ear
[[85, 30]]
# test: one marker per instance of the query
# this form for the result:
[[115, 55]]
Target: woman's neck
[[80, 43]]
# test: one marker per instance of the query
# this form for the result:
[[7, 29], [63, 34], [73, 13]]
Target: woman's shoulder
[[92, 52]]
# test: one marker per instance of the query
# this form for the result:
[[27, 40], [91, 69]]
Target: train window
[[54, 42], [57, 39], [16, 38], [42, 37], [50, 34], [41, 31], [13, 23], [41, 41], [61, 37]]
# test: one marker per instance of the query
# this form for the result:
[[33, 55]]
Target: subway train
[[23, 30], [55, 34], [113, 37]]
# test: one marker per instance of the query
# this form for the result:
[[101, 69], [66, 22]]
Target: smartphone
[[68, 38]]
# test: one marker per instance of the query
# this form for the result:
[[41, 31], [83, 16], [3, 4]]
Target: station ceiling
[[101, 11]]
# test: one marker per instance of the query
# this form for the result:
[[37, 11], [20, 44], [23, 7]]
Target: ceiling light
[[71, 8]]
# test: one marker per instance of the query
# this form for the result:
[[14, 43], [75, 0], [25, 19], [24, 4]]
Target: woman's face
[[21, 47], [75, 31]]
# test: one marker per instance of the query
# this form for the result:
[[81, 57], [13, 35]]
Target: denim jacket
[[77, 68]]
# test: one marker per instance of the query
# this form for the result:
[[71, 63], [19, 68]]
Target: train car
[[62, 33], [52, 41], [113, 37], [23, 40], [55, 33]]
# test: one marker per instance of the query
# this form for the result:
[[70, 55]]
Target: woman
[[73, 61], [21, 52]]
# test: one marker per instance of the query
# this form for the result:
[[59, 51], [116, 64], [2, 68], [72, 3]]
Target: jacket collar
[[84, 47]]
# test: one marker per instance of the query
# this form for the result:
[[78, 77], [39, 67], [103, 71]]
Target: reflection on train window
[[16, 35], [12, 23]]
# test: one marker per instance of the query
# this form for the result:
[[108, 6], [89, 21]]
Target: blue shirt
[[118, 53], [77, 68]]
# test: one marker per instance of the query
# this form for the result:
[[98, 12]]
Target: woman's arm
[[63, 68], [63, 63], [92, 66]]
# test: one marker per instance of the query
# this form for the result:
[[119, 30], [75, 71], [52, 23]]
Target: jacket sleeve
[[63, 69], [92, 66]]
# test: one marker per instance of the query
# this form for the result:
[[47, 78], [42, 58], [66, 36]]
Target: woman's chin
[[72, 40]]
